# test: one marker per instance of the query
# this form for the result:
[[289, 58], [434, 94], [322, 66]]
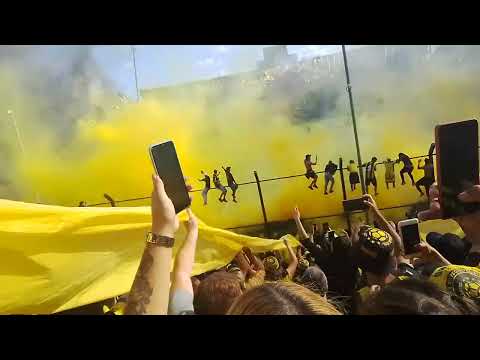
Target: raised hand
[[164, 220]]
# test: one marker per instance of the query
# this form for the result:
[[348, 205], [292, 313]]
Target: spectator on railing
[[219, 186], [310, 173], [206, 188], [330, 170], [407, 167], [389, 173], [231, 181], [353, 177], [429, 173], [370, 177]]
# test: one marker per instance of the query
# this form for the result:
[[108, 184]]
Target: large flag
[[55, 258]]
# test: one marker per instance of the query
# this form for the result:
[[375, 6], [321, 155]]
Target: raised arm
[[301, 230], [292, 266], [384, 224], [420, 167], [186, 256], [150, 289], [181, 291], [430, 152]]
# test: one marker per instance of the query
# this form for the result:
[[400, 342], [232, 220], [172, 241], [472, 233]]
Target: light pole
[[352, 111], [17, 131], [135, 71], [11, 114]]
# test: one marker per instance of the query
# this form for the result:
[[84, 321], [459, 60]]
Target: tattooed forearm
[[141, 291]]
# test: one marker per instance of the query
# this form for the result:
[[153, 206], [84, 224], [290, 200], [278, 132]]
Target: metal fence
[[258, 181]]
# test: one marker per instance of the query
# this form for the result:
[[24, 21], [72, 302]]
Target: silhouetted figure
[[110, 200], [330, 170], [231, 181], [219, 186], [389, 172], [353, 177], [429, 172], [310, 174], [407, 167], [206, 188], [370, 177], [82, 204]]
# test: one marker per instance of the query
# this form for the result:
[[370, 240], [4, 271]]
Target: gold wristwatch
[[160, 240]]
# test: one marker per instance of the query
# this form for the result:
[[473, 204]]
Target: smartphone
[[410, 235], [331, 235], [354, 205], [457, 165], [325, 228], [166, 164]]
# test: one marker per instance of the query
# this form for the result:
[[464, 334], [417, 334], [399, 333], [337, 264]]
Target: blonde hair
[[281, 298]]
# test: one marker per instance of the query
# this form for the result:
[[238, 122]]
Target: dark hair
[[473, 259], [416, 297], [315, 279], [282, 298], [216, 293], [341, 245]]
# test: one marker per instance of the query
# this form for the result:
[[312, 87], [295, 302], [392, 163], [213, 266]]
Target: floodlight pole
[[135, 71], [352, 111]]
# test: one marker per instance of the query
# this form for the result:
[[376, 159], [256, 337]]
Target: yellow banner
[[55, 258]]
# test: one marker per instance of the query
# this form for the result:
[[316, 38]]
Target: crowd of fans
[[362, 270]]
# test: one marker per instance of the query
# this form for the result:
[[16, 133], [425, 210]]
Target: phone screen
[[331, 235], [168, 168], [325, 227], [457, 165], [410, 237], [354, 205]]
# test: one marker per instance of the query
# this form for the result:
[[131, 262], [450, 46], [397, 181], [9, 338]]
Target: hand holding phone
[[410, 235], [166, 164], [164, 219], [354, 205], [457, 166]]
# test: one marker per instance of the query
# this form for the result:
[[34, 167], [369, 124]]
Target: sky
[[162, 65]]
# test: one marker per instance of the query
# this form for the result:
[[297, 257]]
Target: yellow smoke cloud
[[242, 132]]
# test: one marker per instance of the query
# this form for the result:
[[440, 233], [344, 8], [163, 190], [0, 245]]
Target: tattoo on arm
[[141, 291]]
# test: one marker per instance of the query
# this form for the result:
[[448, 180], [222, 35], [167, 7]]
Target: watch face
[[149, 237]]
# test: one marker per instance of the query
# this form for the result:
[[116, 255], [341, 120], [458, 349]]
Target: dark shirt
[[207, 181], [405, 159], [230, 178], [331, 168], [340, 270], [216, 180]]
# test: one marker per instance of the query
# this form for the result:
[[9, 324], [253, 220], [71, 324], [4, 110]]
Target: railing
[[259, 181]]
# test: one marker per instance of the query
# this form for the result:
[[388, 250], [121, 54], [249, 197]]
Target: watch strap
[[160, 240]]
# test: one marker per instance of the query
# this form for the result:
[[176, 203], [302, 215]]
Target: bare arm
[[430, 152], [150, 289], [384, 224], [255, 261], [243, 264], [301, 230], [292, 267], [185, 257]]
